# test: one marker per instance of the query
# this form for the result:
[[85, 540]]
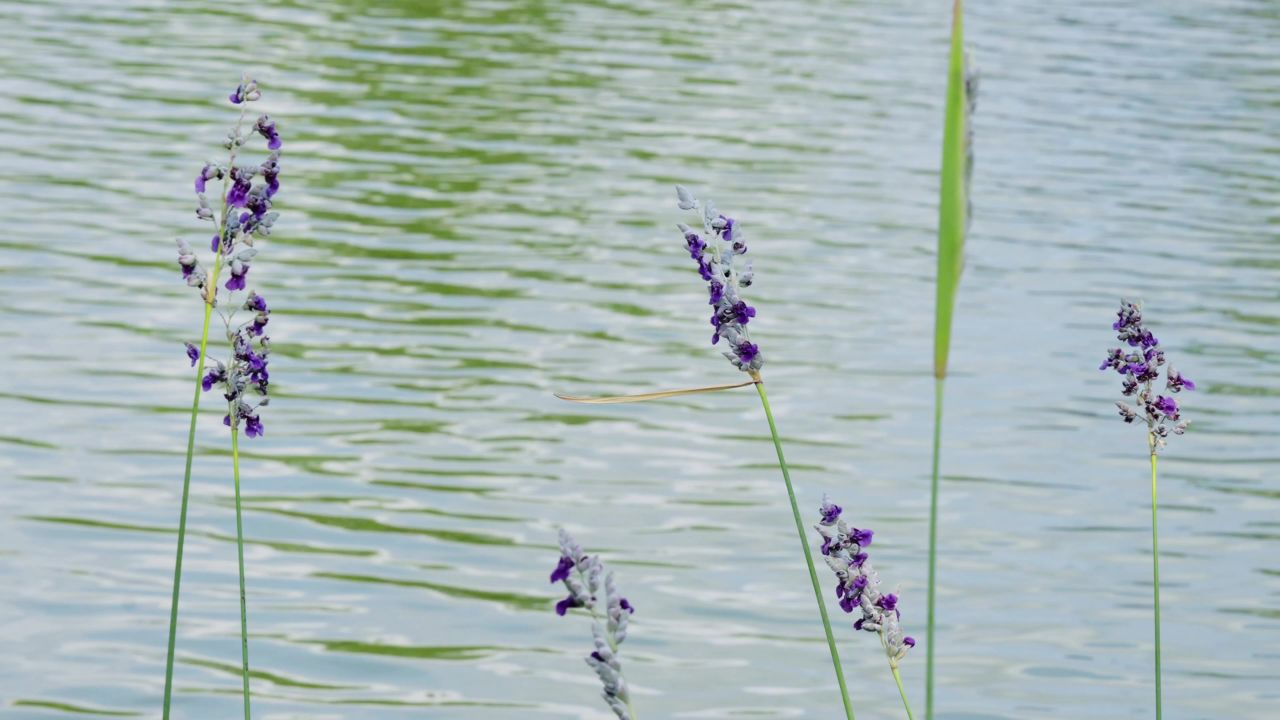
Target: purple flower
[[237, 279], [1167, 406], [257, 202], [909, 641], [241, 184], [696, 245], [563, 606], [270, 170], [216, 374], [193, 353], [887, 602], [625, 605], [858, 559], [562, 569], [726, 228], [861, 537], [267, 128], [743, 312], [830, 512], [1176, 382], [252, 426], [717, 292], [747, 352]]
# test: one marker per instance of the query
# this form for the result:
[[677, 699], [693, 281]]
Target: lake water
[[477, 212]]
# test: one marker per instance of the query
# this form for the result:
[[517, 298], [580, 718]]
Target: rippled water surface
[[478, 212]]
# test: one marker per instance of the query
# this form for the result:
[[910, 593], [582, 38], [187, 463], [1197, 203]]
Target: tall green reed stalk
[[244, 219], [953, 221]]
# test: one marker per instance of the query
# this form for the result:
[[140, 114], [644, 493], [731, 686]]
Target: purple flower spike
[[858, 585], [1139, 369], [592, 586], [233, 246], [716, 251]]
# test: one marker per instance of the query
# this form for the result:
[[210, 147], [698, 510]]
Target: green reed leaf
[[953, 206]]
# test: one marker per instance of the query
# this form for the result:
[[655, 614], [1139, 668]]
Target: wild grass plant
[[719, 251], [1139, 366], [954, 212], [243, 218]]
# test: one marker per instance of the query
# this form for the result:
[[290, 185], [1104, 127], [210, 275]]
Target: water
[[478, 212]]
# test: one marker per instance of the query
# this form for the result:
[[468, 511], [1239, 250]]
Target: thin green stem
[[898, 679], [244, 623], [1155, 573], [808, 556], [929, 642], [182, 517]]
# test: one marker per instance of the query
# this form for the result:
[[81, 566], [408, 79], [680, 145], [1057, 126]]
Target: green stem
[[898, 679], [182, 516], [210, 295], [933, 549], [808, 556], [244, 623], [1155, 572]]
